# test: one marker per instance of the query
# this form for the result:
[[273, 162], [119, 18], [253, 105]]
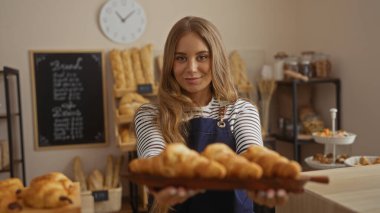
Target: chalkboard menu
[[69, 98]]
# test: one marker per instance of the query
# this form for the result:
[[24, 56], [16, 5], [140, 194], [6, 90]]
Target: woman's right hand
[[171, 196]]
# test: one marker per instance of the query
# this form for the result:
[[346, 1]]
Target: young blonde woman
[[196, 93]]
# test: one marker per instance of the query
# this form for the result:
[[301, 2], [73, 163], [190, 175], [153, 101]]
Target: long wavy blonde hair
[[173, 104]]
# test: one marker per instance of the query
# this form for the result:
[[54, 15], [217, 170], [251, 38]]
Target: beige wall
[[343, 28], [258, 28], [348, 30]]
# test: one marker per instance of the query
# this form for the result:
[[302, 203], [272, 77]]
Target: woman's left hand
[[270, 197]]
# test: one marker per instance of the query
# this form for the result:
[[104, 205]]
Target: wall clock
[[122, 21]]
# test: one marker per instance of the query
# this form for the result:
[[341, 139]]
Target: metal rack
[[295, 140], [7, 73]]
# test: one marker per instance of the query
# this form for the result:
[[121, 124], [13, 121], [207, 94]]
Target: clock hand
[[118, 15], [129, 15]]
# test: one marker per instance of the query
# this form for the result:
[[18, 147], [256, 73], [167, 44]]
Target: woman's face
[[192, 66]]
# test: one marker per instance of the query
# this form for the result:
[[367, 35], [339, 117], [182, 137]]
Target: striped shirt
[[242, 116]]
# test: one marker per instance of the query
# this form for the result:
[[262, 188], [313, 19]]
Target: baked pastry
[[118, 69], [146, 56], [376, 161], [177, 160], [136, 65], [95, 180], [10, 190], [130, 102], [272, 163], [79, 174], [236, 166], [238, 69], [128, 70], [49, 191]]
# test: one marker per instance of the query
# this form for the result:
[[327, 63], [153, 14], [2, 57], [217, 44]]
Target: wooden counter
[[351, 189]]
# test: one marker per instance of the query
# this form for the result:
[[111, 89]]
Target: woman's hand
[[270, 197], [173, 195]]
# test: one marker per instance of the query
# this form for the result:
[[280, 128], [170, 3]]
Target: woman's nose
[[192, 65]]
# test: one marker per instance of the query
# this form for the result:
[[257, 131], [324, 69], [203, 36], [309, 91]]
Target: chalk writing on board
[[67, 86]]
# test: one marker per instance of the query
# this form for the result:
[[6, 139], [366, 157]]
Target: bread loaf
[[128, 70], [116, 171], [95, 180], [109, 172], [79, 174], [238, 69], [146, 56], [136, 64], [118, 69]]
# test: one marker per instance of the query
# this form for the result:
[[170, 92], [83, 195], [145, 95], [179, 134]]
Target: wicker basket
[[113, 204]]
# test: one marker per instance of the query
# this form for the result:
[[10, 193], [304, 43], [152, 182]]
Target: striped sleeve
[[246, 125], [149, 137]]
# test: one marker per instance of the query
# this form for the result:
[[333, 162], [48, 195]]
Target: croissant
[[177, 160], [237, 166], [9, 195], [272, 163], [49, 191]]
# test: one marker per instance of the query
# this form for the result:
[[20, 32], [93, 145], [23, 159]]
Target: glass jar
[[307, 64], [279, 65], [292, 63]]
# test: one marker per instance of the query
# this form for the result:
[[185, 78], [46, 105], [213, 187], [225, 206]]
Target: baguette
[[95, 180], [146, 56], [116, 171], [137, 69], [128, 70], [79, 174], [109, 172]]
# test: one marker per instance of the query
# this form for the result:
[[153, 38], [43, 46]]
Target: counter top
[[351, 189]]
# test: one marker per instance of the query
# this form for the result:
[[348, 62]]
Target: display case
[[13, 119]]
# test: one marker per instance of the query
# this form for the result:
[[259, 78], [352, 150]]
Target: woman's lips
[[192, 80]]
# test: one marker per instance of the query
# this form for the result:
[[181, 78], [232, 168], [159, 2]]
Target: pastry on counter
[[49, 191]]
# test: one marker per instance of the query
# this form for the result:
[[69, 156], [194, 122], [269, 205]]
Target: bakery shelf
[[294, 84], [8, 74]]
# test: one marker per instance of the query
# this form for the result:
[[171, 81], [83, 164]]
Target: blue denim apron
[[204, 131]]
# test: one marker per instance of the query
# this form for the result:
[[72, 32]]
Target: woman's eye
[[180, 58], [202, 57]]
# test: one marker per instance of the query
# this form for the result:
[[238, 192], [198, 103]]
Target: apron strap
[[222, 112]]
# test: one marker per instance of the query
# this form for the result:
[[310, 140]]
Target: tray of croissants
[[218, 167], [52, 192]]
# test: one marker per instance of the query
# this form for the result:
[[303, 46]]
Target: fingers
[[172, 195], [270, 197]]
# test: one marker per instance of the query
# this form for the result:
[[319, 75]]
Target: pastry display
[[328, 158], [177, 160], [328, 133], [216, 161], [96, 179]]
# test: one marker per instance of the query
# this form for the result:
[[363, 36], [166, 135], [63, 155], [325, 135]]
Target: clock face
[[122, 21]]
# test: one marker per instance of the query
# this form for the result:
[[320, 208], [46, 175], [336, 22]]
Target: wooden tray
[[290, 185]]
